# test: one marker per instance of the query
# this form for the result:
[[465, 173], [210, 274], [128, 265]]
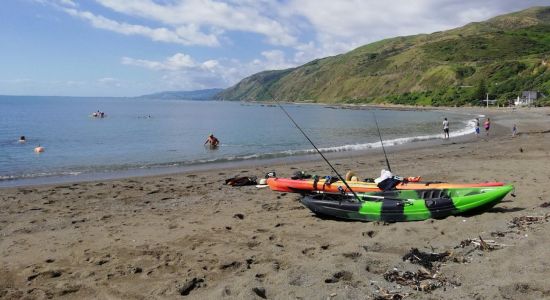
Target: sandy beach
[[189, 236]]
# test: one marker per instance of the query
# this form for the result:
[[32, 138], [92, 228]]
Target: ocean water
[[144, 134]]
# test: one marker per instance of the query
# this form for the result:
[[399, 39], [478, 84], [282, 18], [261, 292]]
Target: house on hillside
[[526, 98]]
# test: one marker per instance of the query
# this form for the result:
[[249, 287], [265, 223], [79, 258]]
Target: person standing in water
[[214, 142], [477, 126], [445, 129], [487, 126]]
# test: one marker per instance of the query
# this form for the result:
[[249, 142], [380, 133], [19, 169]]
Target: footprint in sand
[[308, 251], [342, 275]]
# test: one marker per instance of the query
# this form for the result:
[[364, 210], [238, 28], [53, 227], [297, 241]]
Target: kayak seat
[[433, 194]]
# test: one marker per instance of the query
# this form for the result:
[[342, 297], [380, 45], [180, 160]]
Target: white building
[[527, 98]]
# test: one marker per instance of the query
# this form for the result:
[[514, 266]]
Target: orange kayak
[[305, 185]]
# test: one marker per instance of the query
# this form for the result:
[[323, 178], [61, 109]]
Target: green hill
[[502, 56]]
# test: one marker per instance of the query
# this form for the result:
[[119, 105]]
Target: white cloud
[[109, 81], [188, 22], [210, 64], [246, 16], [178, 61], [181, 71], [74, 83], [185, 35], [17, 81], [68, 3], [275, 60]]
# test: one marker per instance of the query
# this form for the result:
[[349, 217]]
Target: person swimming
[[212, 140], [22, 139], [39, 149]]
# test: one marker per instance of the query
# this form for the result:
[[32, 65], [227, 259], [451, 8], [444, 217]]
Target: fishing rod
[[381, 142], [318, 151]]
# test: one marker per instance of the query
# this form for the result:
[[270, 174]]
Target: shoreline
[[188, 234], [335, 152]]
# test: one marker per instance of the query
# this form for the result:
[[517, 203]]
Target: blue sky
[[135, 47]]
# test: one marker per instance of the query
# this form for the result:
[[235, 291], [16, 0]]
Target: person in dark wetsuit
[[212, 140]]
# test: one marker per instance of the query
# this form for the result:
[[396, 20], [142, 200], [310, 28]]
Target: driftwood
[[481, 244], [421, 280], [524, 221]]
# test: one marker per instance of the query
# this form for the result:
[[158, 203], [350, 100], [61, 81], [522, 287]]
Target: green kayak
[[406, 205]]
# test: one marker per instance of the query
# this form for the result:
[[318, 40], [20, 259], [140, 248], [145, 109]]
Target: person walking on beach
[[214, 142], [487, 126], [477, 126], [514, 130], [445, 129]]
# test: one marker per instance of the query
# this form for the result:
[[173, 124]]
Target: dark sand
[[188, 236]]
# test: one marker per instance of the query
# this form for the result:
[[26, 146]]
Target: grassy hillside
[[502, 56]]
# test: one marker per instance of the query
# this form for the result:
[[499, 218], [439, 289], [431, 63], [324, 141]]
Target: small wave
[[468, 129], [38, 175]]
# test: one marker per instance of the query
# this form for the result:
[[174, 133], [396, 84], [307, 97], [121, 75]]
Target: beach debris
[[545, 204], [300, 175], [352, 255], [481, 244], [524, 221], [260, 291], [425, 259], [238, 216], [384, 294], [241, 180], [503, 233], [426, 278], [420, 280]]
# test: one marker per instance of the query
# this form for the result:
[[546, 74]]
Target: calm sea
[[151, 134]]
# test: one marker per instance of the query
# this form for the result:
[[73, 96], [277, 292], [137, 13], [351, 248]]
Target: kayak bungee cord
[[318, 151], [381, 143]]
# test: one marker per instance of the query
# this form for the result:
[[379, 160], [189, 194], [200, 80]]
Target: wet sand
[[190, 236]]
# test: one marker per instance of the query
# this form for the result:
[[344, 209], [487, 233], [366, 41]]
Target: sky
[[136, 47]]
